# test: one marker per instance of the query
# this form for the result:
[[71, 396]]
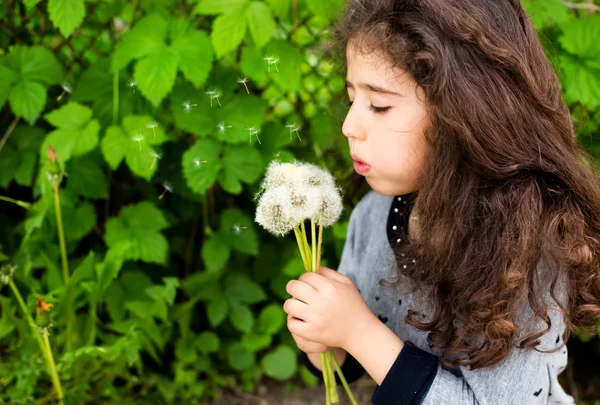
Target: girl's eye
[[378, 110]]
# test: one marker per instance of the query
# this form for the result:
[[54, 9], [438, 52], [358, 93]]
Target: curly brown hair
[[506, 183]]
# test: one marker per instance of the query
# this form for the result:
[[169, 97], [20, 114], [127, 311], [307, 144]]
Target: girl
[[475, 254]]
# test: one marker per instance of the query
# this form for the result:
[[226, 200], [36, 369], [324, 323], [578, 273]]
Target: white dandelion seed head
[[6, 273], [242, 80], [237, 228], [131, 83], [279, 173], [197, 162], [187, 106], [330, 206], [274, 211], [318, 177], [221, 127], [138, 137], [168, 186], [66, 87], [152, 125], [156, 155]]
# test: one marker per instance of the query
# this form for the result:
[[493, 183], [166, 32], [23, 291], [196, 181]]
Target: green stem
[[116, 98], [52, 365], [343, 379], [306, 246], [20, 203], [323, 357], [51, 370], [320, 242], [313, 241], [301, 247]]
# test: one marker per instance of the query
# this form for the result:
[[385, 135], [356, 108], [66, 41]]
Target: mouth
[[360, 166]]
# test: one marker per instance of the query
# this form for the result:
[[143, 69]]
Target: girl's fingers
[[332, 274], [300, 290], [295, 308]]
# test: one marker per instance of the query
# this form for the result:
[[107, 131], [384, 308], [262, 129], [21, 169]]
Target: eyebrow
[[373, 88]]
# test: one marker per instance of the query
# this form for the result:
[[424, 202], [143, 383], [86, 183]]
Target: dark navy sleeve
[[409, 379], [351, 369]]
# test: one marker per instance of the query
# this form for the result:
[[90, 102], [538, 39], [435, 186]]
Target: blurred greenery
[[163, 115]]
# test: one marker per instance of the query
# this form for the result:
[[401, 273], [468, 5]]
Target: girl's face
[[385, 125]]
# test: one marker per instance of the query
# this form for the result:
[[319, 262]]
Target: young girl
[[475, 255]]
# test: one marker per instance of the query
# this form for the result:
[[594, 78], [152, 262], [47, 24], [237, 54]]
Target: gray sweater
[[525, 377]]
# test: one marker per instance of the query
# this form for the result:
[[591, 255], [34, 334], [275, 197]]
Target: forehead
[[373, 67]]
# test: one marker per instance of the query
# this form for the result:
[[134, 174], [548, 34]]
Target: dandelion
[[6, 273], [214, 94], [139, 138], [156, 156], [187, 107], [66, 89], [167, 188], [237, 228], [222, 127], [42, 315], [198, 162], [244, 80], [253, 131], [293, 128], [271, 61], [151, 126], [131, 84]]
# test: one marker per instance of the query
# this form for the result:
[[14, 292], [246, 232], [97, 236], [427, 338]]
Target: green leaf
[[239, 358], [285, 73], [76, 134], [294, 267], [207, 342], [86, 178], [79, 222], [26, 169], [581, 83], [272, 319], [113, 261], [199, 121], [242, 163], [140, 224], [7, 78], [200, 177], [280, 8], [218, 6], [260, 22], [85, 270], [112, 146], [547, 12], [255, 342], [35, 64], [281, 363], [27, 100], [155, 74], [240, 288], [215, 253], [217, 311], [195, 56], [241, 112], [144, 38], [228, 31], [580, 37], [66, 15], [237, 229], [253, 65], [241, 317]]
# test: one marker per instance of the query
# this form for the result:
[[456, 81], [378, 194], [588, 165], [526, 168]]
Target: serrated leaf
[[253, 65], [241, 317], [240, 288], [228, 31], [27, 100], [155, 74], [66, 15], [272, 319], [144, 38], [246, 239], [217, 311], [243, 162], [580, 37], [112, 146], [287, 74], [547, 12], [241, 112], [280, 363], [218, 6], [86, 178], [195, 56], [581, 83], [199, 121], [215, 253], [200, 177], [35, 64], [260, 22]]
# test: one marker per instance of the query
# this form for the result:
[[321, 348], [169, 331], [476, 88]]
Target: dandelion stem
[[343, 379], [20, 203], [301, 247], [116, 98], [52, 365], [313, 241], [306, 246], [30, 321], [323, 357], [320, 242]]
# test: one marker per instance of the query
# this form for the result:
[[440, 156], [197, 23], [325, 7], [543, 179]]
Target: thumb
[[332, 274]]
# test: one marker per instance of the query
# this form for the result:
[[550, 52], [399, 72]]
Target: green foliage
[[164, 117]]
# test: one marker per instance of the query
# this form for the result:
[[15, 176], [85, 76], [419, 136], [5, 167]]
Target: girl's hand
[[326, 308], [306, 345]]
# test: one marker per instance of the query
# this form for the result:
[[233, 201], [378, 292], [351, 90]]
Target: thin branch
[[587, 6], [8, 132]]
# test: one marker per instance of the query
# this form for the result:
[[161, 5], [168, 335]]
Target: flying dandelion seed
[[253, 131], [187, 107], [152, 125], [271, 61], [293, 128], [156, 156], [198, 162], [237, 228], [139, 138], [214, 94], [222, 127], [167, 188], [66, 89], [131, 83], [244, 80]]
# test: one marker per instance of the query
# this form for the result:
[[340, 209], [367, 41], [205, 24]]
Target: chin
[[385, 189]]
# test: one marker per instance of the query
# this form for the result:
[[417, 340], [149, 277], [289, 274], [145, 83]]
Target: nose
[[352, 127]]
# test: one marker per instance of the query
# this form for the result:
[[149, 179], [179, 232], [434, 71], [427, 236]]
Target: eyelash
[[377, 110]]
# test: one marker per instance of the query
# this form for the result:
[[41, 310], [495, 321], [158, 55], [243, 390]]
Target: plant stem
[[116, 98], [8, 132], [314, 246], [343, 379], [323, 357], [51, 369], [53, 372], [306, 246], [20, 203], [301, 247], [320, 242]]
